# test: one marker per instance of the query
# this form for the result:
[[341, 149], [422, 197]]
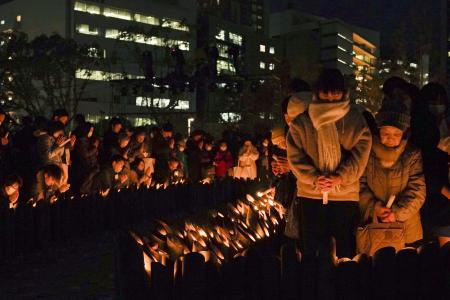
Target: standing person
[[223, 161], [161, 152], [85, 155], [51, 145], [122, 146], [5, 145], [328, 149], [394, 170], [110, 139], [180, 155], [246, 168], [138, 145], [61, 115], [436, 210], [264, 160], [207, 160], [194, 161]]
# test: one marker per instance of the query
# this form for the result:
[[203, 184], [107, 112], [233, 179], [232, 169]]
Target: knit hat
[[298, 104], [278, 135], [394, 112]]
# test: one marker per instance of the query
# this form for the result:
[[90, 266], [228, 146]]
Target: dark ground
[[80, 269]]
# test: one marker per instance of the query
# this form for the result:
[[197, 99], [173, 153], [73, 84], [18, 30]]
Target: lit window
[[221, 35], [182, 104], [161, 103], [272, 50], [262, 65], [96, 53], [223, 50], [399, 62], [142, 39], [235, 38], [345, 38], [143, 101], [2, 22], [146, 19], [174, 24], [88, 8], [86, 29], [19, 18], [225, 67], [262, 48], [231, 117], [103, 75], [413, 65], [341, 61], [112, 33], [271, 66], [143, 121], [117, 13], [342, 48]]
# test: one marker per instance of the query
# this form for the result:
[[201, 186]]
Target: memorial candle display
[[221, 235]]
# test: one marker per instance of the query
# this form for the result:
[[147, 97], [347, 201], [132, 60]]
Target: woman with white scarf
[[328, 148]]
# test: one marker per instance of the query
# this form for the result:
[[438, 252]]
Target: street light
[[190, 121]]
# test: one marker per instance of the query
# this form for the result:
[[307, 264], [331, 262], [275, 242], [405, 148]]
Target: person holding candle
[[394, 171], [327, 149], [48, 184]]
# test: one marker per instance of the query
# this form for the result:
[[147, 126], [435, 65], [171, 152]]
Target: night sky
[[380, 15]]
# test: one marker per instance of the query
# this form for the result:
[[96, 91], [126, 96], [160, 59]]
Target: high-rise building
[[310, 42], [163, 23]]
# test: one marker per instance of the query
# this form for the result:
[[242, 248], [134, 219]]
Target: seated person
[[48, 185]]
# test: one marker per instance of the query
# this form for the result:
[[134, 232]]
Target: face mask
[[437, 110]]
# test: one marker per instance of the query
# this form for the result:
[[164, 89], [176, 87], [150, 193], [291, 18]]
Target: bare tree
[[41, 75]]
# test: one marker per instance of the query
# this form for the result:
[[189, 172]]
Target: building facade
[[312, 42], [118, 28]]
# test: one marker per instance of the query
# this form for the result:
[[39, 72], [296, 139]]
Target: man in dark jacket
[[111, 176], [110, 139]]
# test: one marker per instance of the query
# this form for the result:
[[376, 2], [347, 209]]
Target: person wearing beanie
[[394, 171], [328, 149]]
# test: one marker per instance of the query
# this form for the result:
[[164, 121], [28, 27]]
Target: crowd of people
[[343, 167], [42, 158], [338, 164]]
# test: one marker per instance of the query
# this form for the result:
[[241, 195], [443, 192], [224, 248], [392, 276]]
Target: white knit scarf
[[324, 116]]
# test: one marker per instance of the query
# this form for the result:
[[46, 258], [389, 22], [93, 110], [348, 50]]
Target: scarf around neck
[[324, 116], [385, 155]]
